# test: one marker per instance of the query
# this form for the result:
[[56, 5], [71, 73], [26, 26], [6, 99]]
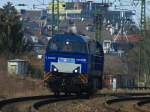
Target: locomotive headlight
[[77, 70], [55, 70]]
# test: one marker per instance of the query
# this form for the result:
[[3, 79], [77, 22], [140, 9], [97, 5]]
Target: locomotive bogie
[[63, 83]]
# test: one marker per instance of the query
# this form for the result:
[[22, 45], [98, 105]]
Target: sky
[[30, 4], [38, 2]]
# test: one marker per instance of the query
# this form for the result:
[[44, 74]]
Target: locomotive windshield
[[66, 46]]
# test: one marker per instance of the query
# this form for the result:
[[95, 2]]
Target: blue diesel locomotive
[[73, 64]]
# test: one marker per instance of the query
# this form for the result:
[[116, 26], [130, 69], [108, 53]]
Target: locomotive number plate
[[66, 60]]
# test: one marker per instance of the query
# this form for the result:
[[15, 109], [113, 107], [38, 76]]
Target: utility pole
[[143, 17], [57, 15], [142, 63], [55, 10], [98, 24], [53, 16]]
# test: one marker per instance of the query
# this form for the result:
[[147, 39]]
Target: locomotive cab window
[[53, 46], [74, 47], [66, 46]]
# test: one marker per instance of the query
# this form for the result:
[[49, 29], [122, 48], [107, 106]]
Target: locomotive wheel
[[92, 86], [95, 84], [67, 93], [100, 81], [56, 93], [79, 94]]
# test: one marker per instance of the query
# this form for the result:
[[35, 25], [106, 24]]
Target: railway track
[[41, 103], [137, 107], [123, 94], [142, 88], [5, 102], [46, 99], [22, 99]]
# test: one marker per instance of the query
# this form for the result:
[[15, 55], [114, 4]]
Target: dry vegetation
[[92, 105], [114, 65], [13, 85], [128, 105]]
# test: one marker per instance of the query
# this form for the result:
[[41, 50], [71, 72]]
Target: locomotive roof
[[71, 37]]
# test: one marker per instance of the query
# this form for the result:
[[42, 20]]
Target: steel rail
[[22, 99], [138, 105], [116, 100], [53, 98], [137, 88], [38, 104], [123, 94]]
